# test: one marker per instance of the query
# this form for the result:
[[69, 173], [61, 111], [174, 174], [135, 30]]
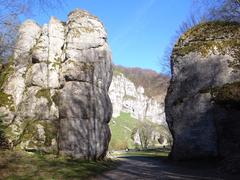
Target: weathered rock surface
[[127, 97], [203, 100], [55, 91]]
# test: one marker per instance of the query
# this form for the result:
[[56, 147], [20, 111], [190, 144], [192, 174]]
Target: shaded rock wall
[[202, 103], [56, 87]]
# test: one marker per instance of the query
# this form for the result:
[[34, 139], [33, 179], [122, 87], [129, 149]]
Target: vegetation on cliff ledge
[[210, 37], [45, 93], [5, 72], [31, 137], [228, 95], [6, 101]]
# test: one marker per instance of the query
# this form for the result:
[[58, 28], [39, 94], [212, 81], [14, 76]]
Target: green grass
[[121, 129], [146, 153], [124, 127], [22, 165]]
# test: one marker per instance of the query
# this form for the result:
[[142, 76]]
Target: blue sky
[[139, 31]]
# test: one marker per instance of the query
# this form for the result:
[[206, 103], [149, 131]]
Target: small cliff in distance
[[137, 96], [54, 92], [140, 92], [203, 99], [155, 84]]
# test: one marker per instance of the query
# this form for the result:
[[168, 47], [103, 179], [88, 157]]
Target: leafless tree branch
[[10, 10]]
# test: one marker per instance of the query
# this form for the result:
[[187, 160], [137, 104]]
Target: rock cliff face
[[203, 100], [55, 91], [127, 97]]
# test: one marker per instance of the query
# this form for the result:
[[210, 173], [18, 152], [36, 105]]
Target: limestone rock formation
[[203, 100], [54, 93], [127, 97]]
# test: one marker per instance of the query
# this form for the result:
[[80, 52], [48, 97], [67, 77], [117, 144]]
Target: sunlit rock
[[126, 97], [54, 93]]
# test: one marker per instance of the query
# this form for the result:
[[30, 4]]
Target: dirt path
[[136, 167]]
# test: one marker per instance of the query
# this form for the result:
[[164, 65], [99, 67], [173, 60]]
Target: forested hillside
[[155, 84]]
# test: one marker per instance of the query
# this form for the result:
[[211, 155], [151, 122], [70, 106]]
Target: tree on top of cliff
[[203, 11], [154, 84], [212, 10]]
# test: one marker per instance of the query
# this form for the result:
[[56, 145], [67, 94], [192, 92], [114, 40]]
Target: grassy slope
[[146, 153], [121, 129], [20, 165], [121, 136]]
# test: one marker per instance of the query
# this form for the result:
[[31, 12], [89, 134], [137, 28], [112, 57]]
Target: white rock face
[[56, 90], [29, 32], [126, 97]]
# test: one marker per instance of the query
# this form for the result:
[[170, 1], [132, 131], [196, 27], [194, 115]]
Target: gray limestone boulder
[[54, 92], [203, 100]]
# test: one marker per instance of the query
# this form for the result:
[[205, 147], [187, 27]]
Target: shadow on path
[[138, 167]]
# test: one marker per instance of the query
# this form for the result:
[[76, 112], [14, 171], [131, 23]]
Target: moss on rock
[[228, 95], [37, 134], [6, 101], [45, 93], [212, 37], [57, 63], [214, 29], [127, 97], [87, 66], [56, 98], [213, 46], [117, 71], [50, 132], [75, 33], [3, 139], [5, 73], [87, 29]]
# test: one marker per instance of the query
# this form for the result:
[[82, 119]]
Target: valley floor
[[131, 165], [28, 166], [141, 166]]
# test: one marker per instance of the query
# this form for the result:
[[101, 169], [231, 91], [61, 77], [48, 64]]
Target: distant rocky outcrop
[[130, 96], [203, 100], [155, 84], [54, 93]]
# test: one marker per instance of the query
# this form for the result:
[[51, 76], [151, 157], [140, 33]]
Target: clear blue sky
[[138, 30]]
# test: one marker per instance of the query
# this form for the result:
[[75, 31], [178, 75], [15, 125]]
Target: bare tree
[[10, 11], [145, 134], [206, 10], [190, 22], [211, 10], [8, 32], [147, 130]]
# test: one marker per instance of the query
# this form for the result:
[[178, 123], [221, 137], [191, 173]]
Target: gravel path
[[137, 167]]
